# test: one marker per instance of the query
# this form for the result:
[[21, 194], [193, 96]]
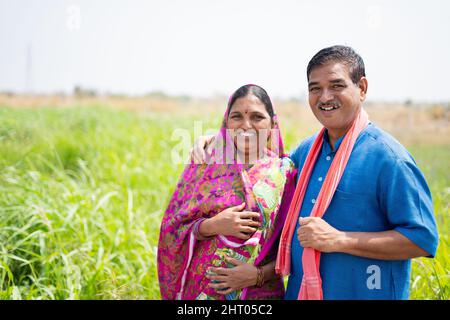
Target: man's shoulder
[[303, 146], [381, 144], [302, 149]]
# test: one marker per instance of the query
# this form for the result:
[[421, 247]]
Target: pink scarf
[[311, 286]]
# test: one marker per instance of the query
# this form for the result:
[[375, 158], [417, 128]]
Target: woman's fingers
[[227, 291], [216, 277], [245, 229], [235, 262], [250, 215], [243, 236], [239, 207], [218, 285], [250, 223], [219, 271]]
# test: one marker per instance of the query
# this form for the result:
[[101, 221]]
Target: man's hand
[[240, 276], [316, 233], [202, 146]]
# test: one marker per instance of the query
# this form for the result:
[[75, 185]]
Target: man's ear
[[363, 85]]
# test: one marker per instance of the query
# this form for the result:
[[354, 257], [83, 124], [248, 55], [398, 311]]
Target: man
[[381, 213]]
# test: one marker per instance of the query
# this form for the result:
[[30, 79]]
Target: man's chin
[[327, 123]]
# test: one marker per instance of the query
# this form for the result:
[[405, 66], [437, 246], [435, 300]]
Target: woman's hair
[[257, 91]]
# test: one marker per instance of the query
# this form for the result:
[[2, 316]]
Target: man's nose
[[326, 96]]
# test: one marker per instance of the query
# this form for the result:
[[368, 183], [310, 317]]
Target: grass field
[[83, 188]]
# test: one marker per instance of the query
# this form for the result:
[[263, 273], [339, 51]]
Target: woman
[[219, 234]]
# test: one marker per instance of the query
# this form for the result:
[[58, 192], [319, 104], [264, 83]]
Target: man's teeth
[[328, 108]]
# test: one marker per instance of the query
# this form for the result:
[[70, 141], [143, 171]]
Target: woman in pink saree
[[219, 235]]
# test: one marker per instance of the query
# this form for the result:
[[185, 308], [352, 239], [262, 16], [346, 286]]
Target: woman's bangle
[[259, 277], [196, 230]]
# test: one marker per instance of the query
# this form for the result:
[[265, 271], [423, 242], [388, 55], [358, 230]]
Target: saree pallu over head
[[205, 190], [311, 285]]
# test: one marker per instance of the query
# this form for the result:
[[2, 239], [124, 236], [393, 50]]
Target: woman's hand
[[231, 222], [231, 279]]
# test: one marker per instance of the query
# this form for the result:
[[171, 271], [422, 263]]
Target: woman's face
[[248, 120]]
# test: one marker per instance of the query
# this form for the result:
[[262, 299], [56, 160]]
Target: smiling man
[[364, 212]]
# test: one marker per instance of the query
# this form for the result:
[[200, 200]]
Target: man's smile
[[328, 107]]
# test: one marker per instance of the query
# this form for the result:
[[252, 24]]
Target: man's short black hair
[[343, 54]]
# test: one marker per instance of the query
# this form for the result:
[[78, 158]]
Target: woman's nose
[[247, 125]]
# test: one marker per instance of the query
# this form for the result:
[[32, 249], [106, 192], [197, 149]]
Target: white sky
[[203, 47]]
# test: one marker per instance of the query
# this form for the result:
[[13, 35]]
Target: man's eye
[[313, 89], [337, 86]]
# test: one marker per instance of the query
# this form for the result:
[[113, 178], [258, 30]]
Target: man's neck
[[334, 136]]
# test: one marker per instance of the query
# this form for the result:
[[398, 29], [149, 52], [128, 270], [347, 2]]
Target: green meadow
[[83, 189]]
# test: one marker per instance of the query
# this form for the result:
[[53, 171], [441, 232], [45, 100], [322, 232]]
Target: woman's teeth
[[247, 134]]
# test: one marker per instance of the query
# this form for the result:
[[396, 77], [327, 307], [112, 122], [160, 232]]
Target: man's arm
[[385, 245]]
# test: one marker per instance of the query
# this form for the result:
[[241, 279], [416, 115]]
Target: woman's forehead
[[249, 103]]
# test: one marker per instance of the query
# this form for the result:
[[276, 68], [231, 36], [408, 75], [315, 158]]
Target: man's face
[[334, 99]]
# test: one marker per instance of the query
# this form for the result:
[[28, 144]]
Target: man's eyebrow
[[337, 80], [315, 83]]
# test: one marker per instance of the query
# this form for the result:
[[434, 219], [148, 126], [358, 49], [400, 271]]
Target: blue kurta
[[381, 189]]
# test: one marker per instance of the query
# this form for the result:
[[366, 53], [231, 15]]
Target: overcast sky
[[204, 47]]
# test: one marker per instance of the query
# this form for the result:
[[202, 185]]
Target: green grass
[[430, 278], [82, 192]]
